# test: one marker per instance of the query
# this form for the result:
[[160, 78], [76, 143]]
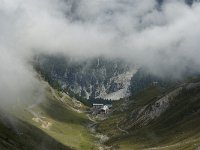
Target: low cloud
[[160, 35]]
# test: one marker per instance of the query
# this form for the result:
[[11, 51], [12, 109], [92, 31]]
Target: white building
[[105, 108]]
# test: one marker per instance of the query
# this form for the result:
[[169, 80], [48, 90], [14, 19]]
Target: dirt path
[[172, 146], [92, 120], [37, 117], [121, 129]]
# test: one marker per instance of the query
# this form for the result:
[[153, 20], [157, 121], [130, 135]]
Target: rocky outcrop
[[147, 113]]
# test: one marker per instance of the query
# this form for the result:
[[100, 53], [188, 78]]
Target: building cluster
[[101, 108]]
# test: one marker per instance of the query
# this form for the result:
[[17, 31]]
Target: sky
[[163, 37]]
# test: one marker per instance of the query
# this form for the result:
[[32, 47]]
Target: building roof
[[97, 104]]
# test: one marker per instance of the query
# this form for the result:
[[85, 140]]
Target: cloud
[[163, 36]]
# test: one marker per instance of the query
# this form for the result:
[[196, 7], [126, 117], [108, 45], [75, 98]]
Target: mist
[[163, 36]]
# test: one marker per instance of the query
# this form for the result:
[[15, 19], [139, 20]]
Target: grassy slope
[[65, 124], [177, 128], [68, 126], [19, 135], [122, 110]]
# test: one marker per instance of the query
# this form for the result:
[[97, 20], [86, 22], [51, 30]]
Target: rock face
[[149, 112], [95, 78], [154, 110]]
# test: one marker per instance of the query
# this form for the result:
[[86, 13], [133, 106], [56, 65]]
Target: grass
[[177, 128], [141, 99], [67, 126], [16, 134]]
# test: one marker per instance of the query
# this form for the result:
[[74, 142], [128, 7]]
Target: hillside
[[55, 122], [156, 118], [16, 134]]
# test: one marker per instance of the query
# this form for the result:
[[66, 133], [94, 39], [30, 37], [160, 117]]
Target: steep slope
[[95, 77], [16, 134], [56, 119], [157, 119]]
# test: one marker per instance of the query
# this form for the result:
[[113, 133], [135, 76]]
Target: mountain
[[156, 118], [92, 78], [152, 118], [100, 77]]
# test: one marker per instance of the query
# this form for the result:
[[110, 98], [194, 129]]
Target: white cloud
[[166, 40]]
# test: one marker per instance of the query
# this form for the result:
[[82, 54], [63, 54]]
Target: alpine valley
[[99, 75]]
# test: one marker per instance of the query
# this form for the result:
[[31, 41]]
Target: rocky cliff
[[92, 78]]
